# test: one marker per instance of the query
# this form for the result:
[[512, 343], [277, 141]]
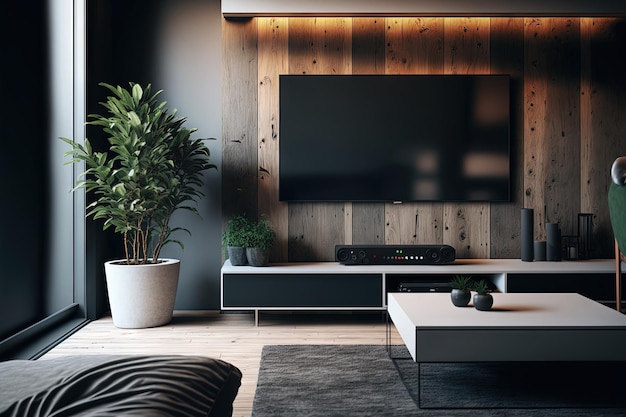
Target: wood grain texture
[[414, 224], [320, 45], [466, 51], [368, 46], [603, 125], [414, 45], [368, 224], [314, 230], [467, 42], [239, 124], [552, 132], [273, 61], [466, 228], [507, 57], [347, 223]]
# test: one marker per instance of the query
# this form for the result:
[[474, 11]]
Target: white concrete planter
[[142, 295]]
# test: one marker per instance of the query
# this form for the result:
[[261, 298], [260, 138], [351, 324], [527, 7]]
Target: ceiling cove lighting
[[295, 8]]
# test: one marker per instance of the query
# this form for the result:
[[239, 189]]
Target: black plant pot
[[483, 302], [460, 298], [237, 255], [257, 256]]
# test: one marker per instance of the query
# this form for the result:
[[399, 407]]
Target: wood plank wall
[[568, 97]]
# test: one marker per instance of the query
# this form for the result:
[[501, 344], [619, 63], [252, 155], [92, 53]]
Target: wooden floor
[[232, 337]]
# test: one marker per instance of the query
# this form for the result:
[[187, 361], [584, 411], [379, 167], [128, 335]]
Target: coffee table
[[521, 327]]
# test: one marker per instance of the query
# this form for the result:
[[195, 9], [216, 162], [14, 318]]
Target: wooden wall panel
[[507, 57], [318, 46], [552, 128], [568, 95], [414, 46], [466, 51], [239, 124], [368, 46], [603, 125], [273, 61], [368, 57]]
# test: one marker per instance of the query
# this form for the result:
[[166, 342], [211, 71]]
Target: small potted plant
[[461, 290], [234, 240], [483, 300], [259, 239]]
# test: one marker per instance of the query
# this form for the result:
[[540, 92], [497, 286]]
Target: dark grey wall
[[176, 46], [23, 127], [36, 243]]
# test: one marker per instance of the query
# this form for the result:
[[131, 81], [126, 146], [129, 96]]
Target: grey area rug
[[362, 380]]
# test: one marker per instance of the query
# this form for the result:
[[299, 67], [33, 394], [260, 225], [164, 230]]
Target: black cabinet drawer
[[302, 290], [594, 286]]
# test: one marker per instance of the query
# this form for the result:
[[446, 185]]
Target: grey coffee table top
[[521, 327]]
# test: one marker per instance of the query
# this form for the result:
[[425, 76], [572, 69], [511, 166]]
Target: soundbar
[[394, 255]]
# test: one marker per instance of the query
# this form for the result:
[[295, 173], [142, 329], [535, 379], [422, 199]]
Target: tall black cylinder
[[528, 220], [584, 235], [553, 245]]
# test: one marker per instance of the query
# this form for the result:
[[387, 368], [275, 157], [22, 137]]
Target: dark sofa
[[99, 385]]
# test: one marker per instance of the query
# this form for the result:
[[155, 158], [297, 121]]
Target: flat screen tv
[[394, 138]]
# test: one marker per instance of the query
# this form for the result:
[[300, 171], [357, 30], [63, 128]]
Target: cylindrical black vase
[[584, 235], [553, 244], [528, 219], [540, 250]]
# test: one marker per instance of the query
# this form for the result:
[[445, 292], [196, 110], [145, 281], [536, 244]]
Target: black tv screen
[[394, 138]]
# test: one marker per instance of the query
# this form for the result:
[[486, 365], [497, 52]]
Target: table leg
[[387, 334]]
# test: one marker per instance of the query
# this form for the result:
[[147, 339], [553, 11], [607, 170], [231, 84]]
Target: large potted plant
[[151, 168]]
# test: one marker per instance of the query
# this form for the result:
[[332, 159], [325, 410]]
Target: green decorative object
[[259, 240], [150, 168], [462, 282], [483, 300], [234, 240], [617, 212], [461, 286]]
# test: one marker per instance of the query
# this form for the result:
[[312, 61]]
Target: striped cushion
[[118, 386]]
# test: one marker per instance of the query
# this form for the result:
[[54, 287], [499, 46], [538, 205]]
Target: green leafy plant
[[482, 287], [236, 230], [461, 282], [151, 169], [259, 235]]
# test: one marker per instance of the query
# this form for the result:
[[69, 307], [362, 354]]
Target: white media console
[[333, 286]]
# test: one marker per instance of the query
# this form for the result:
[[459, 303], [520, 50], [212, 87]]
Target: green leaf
[[137, 93]]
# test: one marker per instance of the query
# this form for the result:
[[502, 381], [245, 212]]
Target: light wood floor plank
[[232, 337]]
